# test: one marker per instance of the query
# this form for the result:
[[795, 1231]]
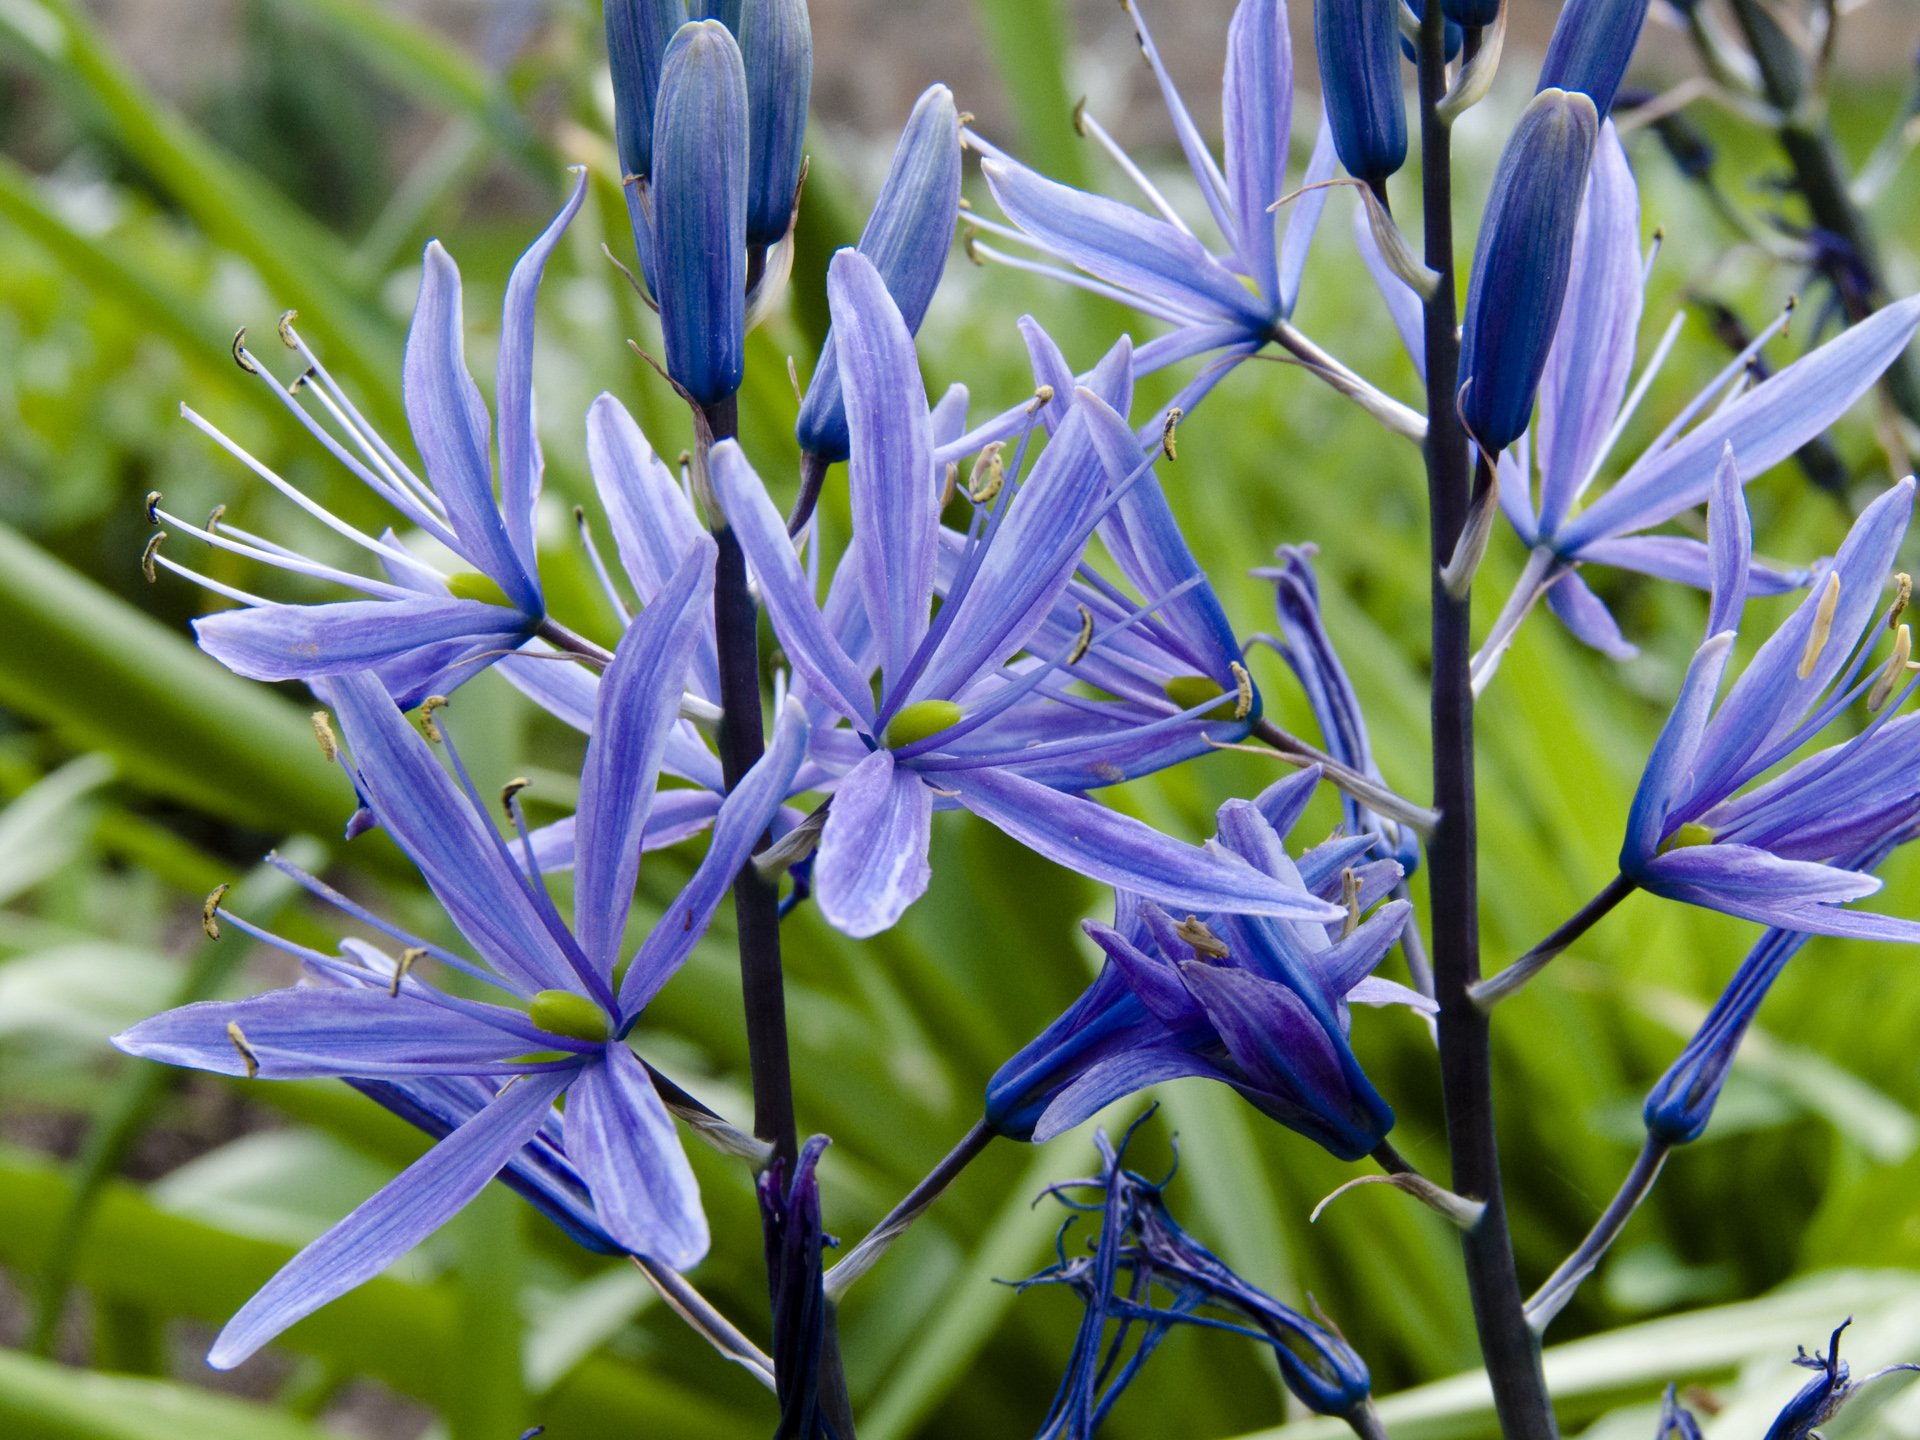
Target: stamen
[[1042, 397], [287, 337], [428, 727], [1243, 704], [210, 911], [1902, 595], [247, 1057], [1084, 641], [214, 517], [620, 609], [409, 958], [509, 790], [990, 466], [240, 355], [1822, 629], [1350, 897], [1206, 944], [1895, 672], [146, 555], [1174, 416], [153, 504], [323, 732], [950, 486]]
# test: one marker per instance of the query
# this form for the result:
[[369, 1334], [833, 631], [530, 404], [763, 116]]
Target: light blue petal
[[1256, 108], [621, 1139], [1729, 547], [1664, 783], [1586, 615], [872, 862], [300, 642]]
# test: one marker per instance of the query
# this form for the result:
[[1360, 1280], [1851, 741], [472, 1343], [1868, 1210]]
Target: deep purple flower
[[373, 1019], [1696, 833], [1257, 1003], [423, 631], [1822, 1397], [790, 1224], [934, 734], [1144, 1276]]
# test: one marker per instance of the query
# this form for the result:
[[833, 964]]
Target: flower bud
[[1455, 36], [1475, 13], [907, 239], [1521, 264], [1359, 46], [1591, 46], [637, 36], [727, 12], [699, 210], [776, 44]]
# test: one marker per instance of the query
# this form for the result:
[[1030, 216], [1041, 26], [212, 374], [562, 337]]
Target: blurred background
[[173, 169]]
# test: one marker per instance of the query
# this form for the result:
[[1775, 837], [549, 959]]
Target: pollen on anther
[[1084, 639], [1822, 629], [210, 911], [240, 355], [1350, 898], [214, 517], [1174, 415], [1895, 672], [510, 790], [153, 507], [247, 1057], [323, 732], [950, 486], [988, 475], [1205, 943], [146, 556], [1243, 702], [427, 726], [409, 957], [287, 337], [1902, 597]]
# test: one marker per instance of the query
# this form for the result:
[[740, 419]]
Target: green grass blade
[[46, 1401]]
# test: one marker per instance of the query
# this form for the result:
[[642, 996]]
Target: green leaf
[[47, 1401]]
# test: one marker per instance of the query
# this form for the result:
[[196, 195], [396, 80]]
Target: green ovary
[[472, 585], [561, 1012], [920, 721], [1690, 834]]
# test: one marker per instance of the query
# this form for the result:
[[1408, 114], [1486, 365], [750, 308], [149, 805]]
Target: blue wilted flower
[[373, 1019], [691, 218], [790, 1223], [1696, 833], [907, 238], [1259, 1004], [776, 46], [1822, 1397], [1144, 1276], [1232, 302], [1681, 1104], [1522, 264], [1359, 48], [422, 630], [1592, 42], [947, 727], [1675, 1422], [1585, 405]]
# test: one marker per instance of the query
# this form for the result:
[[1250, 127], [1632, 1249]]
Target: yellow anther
[[153, 507], [1084, 639], [950, 486], [1687, 836], [561, 1012], [970, 242], [146, 556], [1206, 944], [1174, 416], [427, 726], [1042, 395], [1896, 670], [1350, 897], [210, 912], [1243, 690], [1822, 626], [988, 475], [247, 1057], [323, 732], [287, 337], [409, 957], [921, 720], [793, 379], [512, 788], [214, 517], [1902, 595], [240, 355]]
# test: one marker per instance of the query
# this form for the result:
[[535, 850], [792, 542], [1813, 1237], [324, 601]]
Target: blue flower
[[1257, 1003], [422, 630], [373, 1019], [945, 727], [1146, 1275], [1675, 1422], [1696, 833], [1358, 42], [1592, 42], [790, 1222], [1822, 1397], [1232, 302]]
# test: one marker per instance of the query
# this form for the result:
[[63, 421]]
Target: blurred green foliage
[[138, 1207]]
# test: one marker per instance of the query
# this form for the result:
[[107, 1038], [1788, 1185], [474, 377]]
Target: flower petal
[[873, 853], [621, 1139], [1670, 764], [300, 642], [1586, 615], [1256, 108], [419, 1201], [1116, 1078]]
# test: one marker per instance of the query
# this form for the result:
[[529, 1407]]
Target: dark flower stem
[[857, 1261], [1490, 992], [1551, 1298], [1508, 1347]]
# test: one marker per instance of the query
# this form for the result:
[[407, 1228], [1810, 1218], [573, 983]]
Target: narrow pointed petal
[[1591, 361], [744, 817], [1792, 894], [419, 1201], [639, 704], [1685, 561], [300, 642], [1375, 991], [1121, 245], [1729, 547], [1116, 1078], [1153, 980], [872, 862], [621, 1139], [1671, 761], [1764, 426], [427, 816], [1120, 851], [513, 385], [890, 479], [1256, 105], [449, 423], [1586, 616], [1403, 305], [314, 1031], [1303, 217], [811, 648]]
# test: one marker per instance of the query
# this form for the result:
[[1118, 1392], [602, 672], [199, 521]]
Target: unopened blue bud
[[776, 43], [907, 239], [1476, 13], [1591, 46], [1455, 36], [637, 36], [1521, 264], [699, 210], [1359, 46]]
